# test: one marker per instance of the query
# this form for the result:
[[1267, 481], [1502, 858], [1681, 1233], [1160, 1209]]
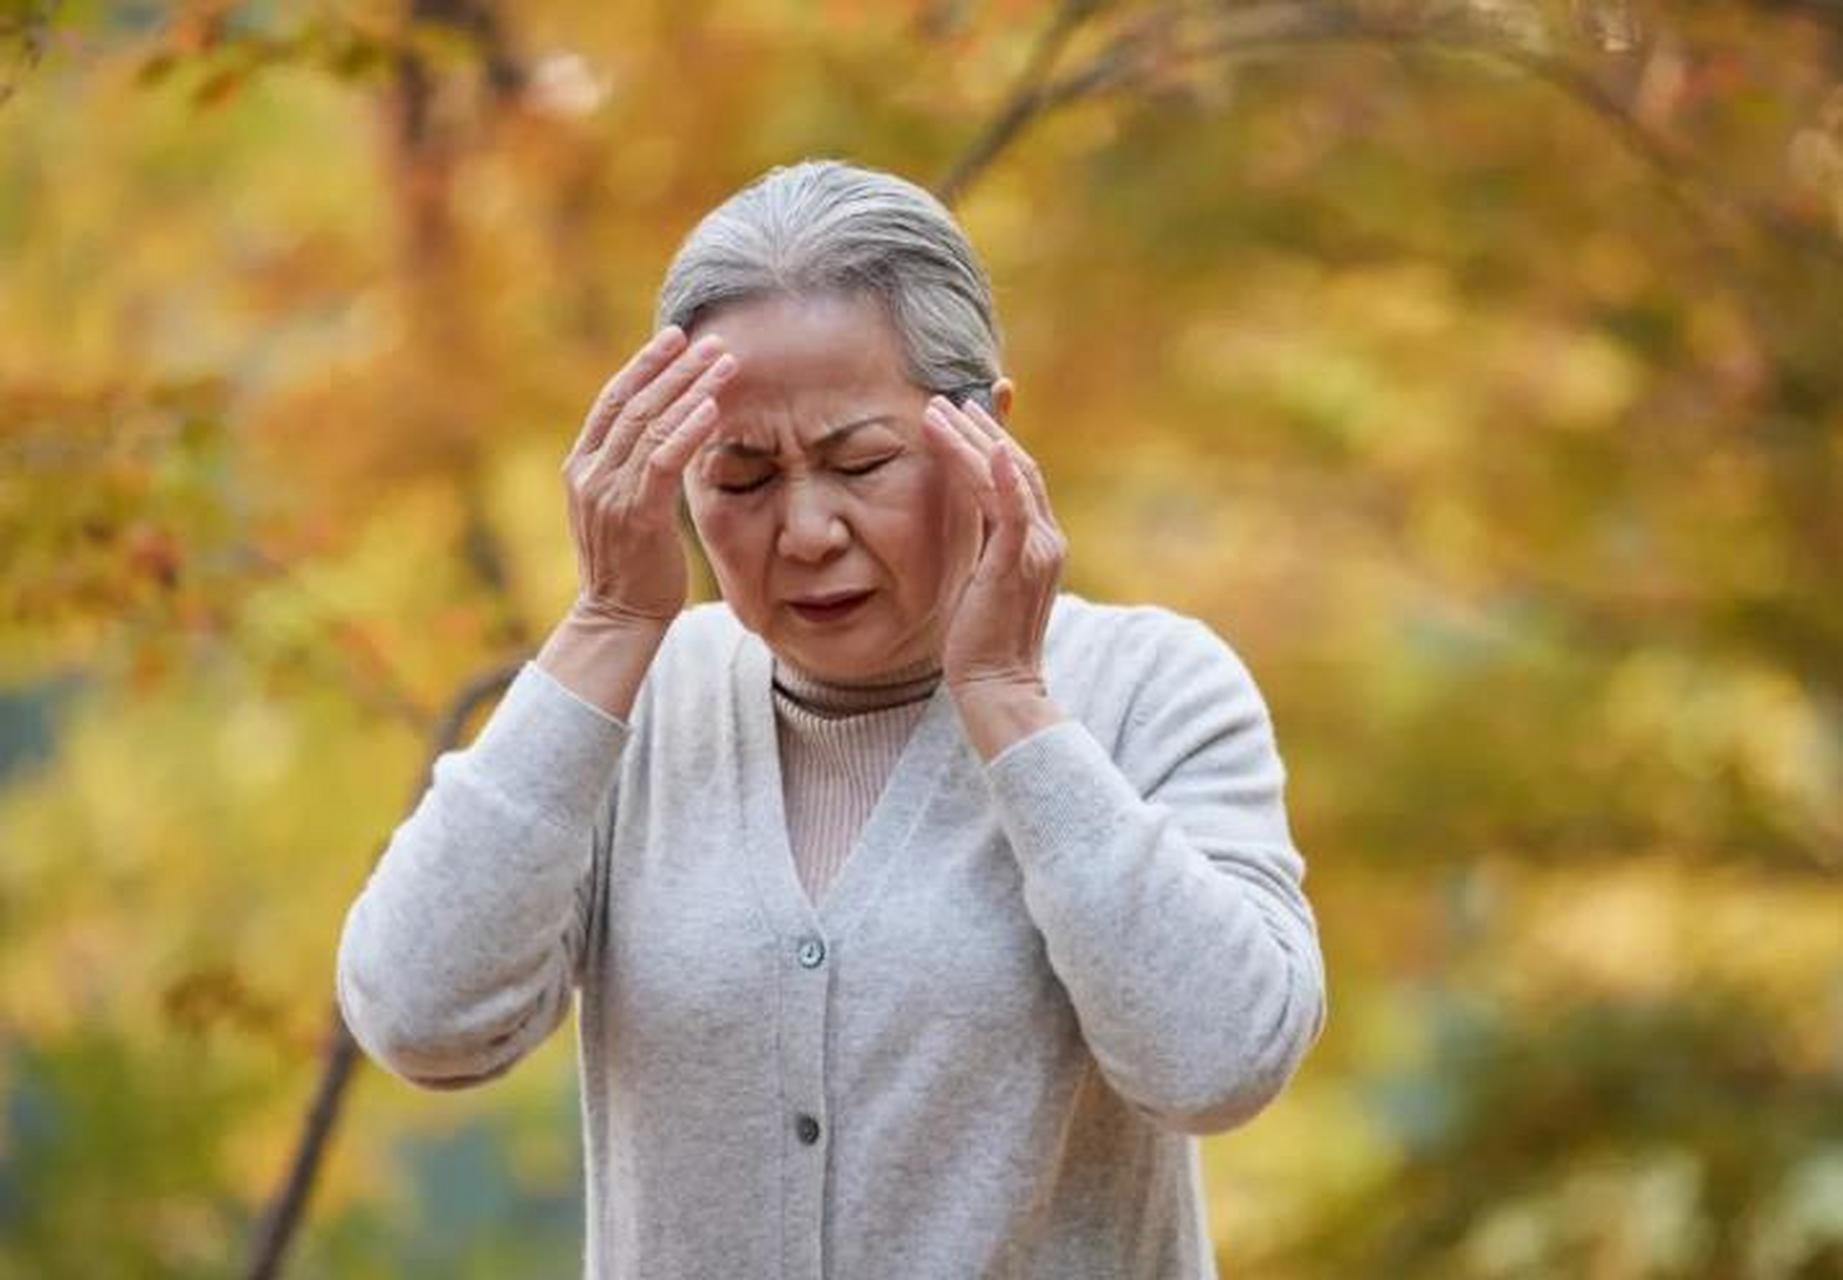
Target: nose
[[811, 527]]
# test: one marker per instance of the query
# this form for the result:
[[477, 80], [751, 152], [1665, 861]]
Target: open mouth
[[831, 611]]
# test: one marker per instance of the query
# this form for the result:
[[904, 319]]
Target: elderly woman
[[921, 913]]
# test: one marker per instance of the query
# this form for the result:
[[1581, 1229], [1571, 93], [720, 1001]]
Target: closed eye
[[753, 485]]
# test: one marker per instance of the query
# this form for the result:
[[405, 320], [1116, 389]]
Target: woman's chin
[[852, 654], [834, 658]]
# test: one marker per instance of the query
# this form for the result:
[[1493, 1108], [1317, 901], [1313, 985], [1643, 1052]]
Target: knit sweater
[[838, 743], [987, 1050]]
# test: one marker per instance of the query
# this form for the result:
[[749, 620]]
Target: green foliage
[[1674, 1136], [111, 1165]]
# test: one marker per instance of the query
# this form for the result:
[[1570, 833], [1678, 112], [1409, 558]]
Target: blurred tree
[[1471, 364]]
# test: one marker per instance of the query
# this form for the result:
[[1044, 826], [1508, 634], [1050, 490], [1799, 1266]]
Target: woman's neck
[[826, 696]]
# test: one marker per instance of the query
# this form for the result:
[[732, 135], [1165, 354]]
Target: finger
[[1030, 472], [657, 396], [664, 465], [962, 456], [1014, 504], [975, 413], [636, 373], [955, 440], [956, 416], [1034, 474], [980, 445], [663, 425]]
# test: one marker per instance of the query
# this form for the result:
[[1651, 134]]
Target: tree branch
[[1020, 104], [341, 1057], [1147, 47], [24, 26]]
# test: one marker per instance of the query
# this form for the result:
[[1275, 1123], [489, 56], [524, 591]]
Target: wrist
[[993, 688], [602, 656], [589, 616], [998, 713]]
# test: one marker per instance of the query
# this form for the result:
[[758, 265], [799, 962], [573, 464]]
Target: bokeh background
[[1474, 366]]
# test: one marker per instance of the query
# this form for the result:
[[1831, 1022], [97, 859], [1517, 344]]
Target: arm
[[1168, 890], [460, 954]]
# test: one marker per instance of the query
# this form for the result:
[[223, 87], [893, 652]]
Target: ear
[[1002, 391]]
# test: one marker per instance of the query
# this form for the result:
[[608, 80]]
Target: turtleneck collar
[[904, 685]]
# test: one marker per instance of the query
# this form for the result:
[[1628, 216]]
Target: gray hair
[[831, 227]]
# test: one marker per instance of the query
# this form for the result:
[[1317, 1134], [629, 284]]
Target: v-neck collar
[[923, 765]]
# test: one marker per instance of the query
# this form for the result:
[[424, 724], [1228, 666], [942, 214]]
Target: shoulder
[[1157, 687], [1138, 649]]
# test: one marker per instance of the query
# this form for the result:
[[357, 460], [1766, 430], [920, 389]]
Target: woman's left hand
[[995, 640]]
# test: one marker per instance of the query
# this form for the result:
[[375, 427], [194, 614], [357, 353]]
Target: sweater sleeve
[[461, 952], [1168, 891]]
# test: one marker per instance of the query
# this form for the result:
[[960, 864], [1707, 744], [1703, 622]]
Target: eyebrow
[[738, 449]]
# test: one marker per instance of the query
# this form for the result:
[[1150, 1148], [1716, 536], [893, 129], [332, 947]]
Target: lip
[[830, 598], [828, 608]]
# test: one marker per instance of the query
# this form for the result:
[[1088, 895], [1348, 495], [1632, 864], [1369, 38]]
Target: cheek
[[928, 522], [732, 544]]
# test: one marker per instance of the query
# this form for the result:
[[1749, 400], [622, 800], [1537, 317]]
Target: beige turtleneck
[[838, 744]]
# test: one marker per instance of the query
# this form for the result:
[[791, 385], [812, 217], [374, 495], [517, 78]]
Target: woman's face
[[817, 482]]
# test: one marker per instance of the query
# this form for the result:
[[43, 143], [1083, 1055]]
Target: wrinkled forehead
[[806, 367], [870, 429], [788, 345], [808, 417]]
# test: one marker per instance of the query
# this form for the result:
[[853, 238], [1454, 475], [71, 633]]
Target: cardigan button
[[812, 951], [807, 1128]]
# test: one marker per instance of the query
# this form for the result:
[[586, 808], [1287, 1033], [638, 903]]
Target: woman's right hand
[[622, 477]]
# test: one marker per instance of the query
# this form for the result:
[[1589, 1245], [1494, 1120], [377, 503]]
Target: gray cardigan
[[985, 1053]]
